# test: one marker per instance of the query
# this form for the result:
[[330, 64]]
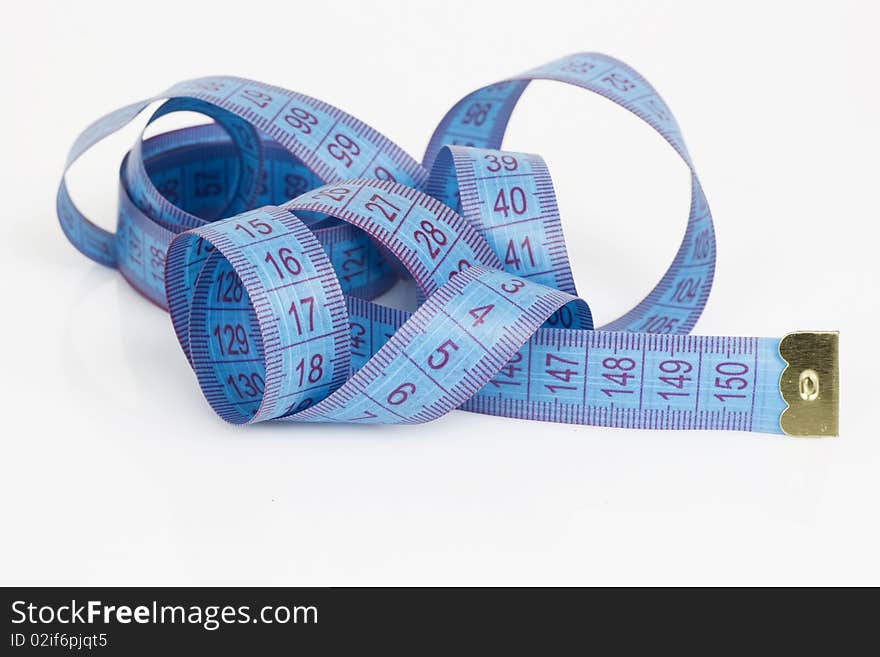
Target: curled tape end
[[809, 383]]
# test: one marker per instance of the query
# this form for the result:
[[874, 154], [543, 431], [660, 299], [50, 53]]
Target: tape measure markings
[[499, 209]]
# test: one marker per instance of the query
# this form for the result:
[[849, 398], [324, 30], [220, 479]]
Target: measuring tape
[[271, 298]]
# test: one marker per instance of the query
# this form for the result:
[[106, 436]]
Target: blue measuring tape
[[268, 233]]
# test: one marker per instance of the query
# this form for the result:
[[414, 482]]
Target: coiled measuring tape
[[271, 298]]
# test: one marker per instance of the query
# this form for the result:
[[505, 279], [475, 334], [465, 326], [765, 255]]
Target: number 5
[[443, 350]]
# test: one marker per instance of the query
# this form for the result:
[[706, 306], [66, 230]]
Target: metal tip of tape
[[809, 384]]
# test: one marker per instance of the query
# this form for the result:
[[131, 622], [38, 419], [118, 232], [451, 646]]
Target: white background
[[114, 469]]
